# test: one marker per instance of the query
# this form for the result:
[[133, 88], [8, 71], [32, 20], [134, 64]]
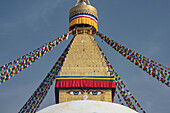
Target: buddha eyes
[[75, 92], [95, 92], [89, 92]]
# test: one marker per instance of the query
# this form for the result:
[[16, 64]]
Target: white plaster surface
[[87, 106]]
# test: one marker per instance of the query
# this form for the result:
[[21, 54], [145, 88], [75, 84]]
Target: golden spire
[[84, 74]]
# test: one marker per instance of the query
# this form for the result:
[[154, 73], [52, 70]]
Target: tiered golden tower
[[84, 74]]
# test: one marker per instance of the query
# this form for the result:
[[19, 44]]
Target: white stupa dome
[[87, 106]]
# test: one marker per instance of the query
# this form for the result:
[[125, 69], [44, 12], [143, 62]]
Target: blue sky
[[141, 25]]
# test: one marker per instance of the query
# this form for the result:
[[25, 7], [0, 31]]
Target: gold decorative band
[[83, 20]]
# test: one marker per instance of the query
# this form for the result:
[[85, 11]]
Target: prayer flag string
[[120, 100], [16, 66], [47, 45], [125, 93], [151, 67], [38, 96]]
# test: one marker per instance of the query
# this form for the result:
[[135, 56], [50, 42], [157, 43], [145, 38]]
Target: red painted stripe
[[85, 83]]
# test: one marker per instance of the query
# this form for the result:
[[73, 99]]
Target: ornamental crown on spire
[[82, 1], [83, 15]]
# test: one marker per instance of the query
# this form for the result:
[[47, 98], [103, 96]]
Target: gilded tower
[[84, 74]]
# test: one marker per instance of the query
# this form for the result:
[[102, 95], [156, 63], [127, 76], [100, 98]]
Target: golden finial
[[83, 1]]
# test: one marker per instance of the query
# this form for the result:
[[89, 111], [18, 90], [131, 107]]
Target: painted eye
[[95, 92], [75, 92]]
